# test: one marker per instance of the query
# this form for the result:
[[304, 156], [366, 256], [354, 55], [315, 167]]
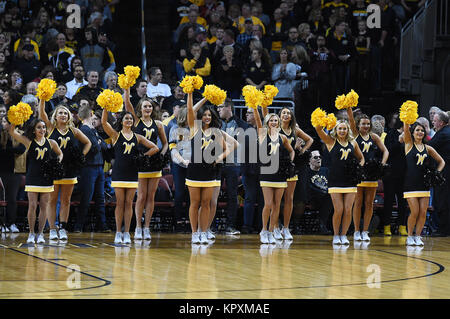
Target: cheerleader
[[124, 171], [415, 191], [341, 147], [272, 185], [147, 126], [366, 190], [202, 177], [62, 130], [291, 130], [38, 151]]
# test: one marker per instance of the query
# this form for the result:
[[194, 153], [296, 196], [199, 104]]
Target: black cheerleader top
[[37, 154], [274, 150], [66, 142], [124, 170], [367, 147], [339, 155], [150, 132], [414, 177], [201, 171]]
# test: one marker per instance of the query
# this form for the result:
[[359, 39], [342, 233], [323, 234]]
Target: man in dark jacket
[[92, 176], [441, 143], [28, 65]]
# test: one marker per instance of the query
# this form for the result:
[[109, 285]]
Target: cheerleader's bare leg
[[194, 195], [128, 207], [277, 197], [268, 194], [44, 210], [349, 199], [32, 206], [288, 203], [120, 206], [52, 210], [357, 208], [338, 206], [141, 199], [369, 197], [414, 208], [64, 210], [205, 208], [422, 217], [152, 186]]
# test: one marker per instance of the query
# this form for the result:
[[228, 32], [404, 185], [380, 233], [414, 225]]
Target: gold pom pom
[[351, 99], [111, 101], [331, 121], [128, 79], [214, 94], [253, 97], [191, 83], [45, 90], [270, 91], [408, 112], [19, 114], [340, 102], [319, 118]]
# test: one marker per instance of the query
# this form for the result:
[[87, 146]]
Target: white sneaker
[[118, 239], [277, 234], [5, 229], [13, 229], [63, 234], [418, 241], [263, 237], [210, 234], [30, 239], [357, 236], [53, 234], [203, 238], [286, 233], [270, 238], [40, 239], [147, 235], [410, 241], [126, 238], [196, 238], [344, 240], [365, 236], [336, 240], [138, 233]]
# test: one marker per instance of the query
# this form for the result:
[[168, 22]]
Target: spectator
[[257, 73], [194, 17], [185, 40], [60, 60], [176, 99], [250, 179], [288, 14], [278, 32], [426, 124], [283, 75], [433, 110], [441, 143], [91, 90], [247, 34], [28, 65], [257, 33], [110, 80], [341, 43], [77, 82], [293, 39], [316, 21], [58, 98], [197, 63], [258, 11], [320, 73], [94, 56], [42, 23], [246, 13], [141, 91], [155, 87], [179, 10], [92, 177], [229, 73], [27, 36], [313, 190], [232, 125], [72, 40]]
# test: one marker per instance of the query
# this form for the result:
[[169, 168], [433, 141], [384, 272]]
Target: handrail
[[239, 105], [143, 44]]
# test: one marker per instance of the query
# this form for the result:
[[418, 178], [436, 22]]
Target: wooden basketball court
[[91, 266]]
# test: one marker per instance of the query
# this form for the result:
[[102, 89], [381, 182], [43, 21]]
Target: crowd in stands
[[310, 50]]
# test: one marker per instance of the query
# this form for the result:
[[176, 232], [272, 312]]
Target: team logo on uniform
[[206, 142], [366, 147], [148, 133], [40, 152], [63, 141], [420, 158], [128, 147], [273, 147], [345, 153]]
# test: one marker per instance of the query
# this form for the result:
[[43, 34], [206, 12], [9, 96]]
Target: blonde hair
[[333, 132], [267, 119], [69, 121]]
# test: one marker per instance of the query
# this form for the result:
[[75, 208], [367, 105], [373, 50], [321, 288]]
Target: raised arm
[[83, 139], [265, 111], [18, 137], [327, 139], [108, 128], [407, 138], [381, 146], [43, 115], [162, 137], [190, 111], [352, 122], [128, 106], [308, 139], [199, 104]]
